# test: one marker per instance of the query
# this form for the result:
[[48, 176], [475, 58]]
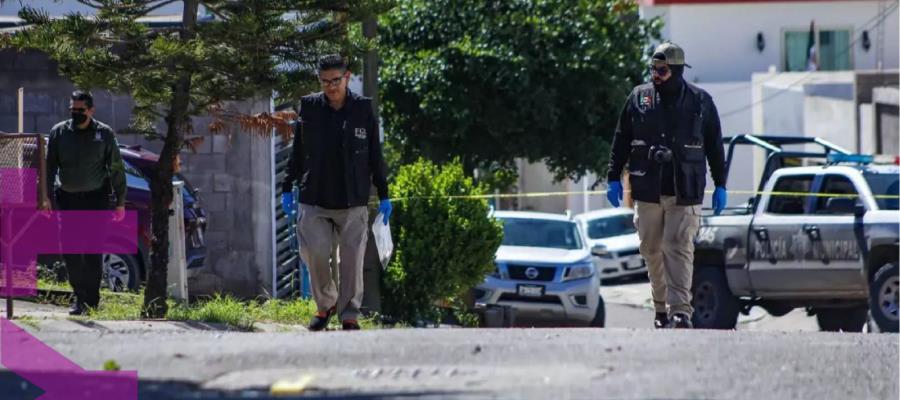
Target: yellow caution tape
[[290, 387], [603, 192]]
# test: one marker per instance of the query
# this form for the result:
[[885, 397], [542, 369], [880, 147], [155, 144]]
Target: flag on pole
[[812, 60]]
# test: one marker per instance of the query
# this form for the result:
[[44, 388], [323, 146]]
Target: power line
[[879, 18]]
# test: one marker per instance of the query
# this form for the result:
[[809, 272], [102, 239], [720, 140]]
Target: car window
[[886, 188], [833, 186], [617, 225], [786, 200], [541, 233]]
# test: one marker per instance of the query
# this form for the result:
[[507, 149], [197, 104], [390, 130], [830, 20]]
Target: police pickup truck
[[823, 238]]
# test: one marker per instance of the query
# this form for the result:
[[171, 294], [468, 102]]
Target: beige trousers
[[667, 235], [316, 230]]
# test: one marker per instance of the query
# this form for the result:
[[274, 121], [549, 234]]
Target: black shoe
[[77, 309], [681, 321], [661, 321], [319, 322], [351, 326]]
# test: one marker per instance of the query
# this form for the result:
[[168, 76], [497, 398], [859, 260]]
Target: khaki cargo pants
[[317, 229], [667, 235]]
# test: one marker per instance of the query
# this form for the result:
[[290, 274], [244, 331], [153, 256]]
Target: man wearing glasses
[[84, 154], [668, 130], [336, 157]]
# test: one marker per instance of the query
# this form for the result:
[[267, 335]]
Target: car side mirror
[[599, 250], [859, 210]]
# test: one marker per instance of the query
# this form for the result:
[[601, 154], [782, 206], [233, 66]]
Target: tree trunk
[[161, 182]]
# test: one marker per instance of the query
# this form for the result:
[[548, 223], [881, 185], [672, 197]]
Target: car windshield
[[606, 227], [541, 233], [885, 184]]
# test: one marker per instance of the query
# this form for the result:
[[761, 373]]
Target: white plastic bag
[[383, 241]]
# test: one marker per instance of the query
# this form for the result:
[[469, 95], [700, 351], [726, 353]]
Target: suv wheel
[[842, 319], [599, 320], [883, 297], [120, 272], [715, 307]]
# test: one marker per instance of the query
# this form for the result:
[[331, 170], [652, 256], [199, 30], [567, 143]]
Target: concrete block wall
[[234, 174]]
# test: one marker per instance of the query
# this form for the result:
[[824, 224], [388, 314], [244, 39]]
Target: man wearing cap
[[668, 130]]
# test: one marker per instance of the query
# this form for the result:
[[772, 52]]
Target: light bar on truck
[[850, 158]]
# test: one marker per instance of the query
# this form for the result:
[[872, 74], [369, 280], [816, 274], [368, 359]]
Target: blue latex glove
[[614, 193], [719, 199], [287, 203], [385, 208]]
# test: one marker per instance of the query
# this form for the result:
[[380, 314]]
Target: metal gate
[[291, 277]]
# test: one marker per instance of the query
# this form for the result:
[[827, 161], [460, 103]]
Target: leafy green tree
[[221, 51], [492, 81]]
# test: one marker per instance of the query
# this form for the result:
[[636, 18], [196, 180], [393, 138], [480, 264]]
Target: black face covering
[[671, 87], [78, 118]]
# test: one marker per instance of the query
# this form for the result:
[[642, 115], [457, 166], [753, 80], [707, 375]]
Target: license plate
[[635, 263], [531, 290]]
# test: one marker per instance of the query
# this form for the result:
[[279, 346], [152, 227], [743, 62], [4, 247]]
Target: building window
[[833, 50]]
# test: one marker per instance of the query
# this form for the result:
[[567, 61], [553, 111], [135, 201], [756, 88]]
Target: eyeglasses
[[661, 70], [78, 109], [331, 82]]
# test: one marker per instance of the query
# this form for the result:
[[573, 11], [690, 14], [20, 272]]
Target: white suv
[[544, 272], [612, 235]]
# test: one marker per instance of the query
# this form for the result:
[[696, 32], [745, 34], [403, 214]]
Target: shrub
[[444, 246]]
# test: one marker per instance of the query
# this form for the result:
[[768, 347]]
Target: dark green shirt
[[85, 159]]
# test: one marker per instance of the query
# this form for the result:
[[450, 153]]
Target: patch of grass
[[27, 320], [49, 284], [222, 309]]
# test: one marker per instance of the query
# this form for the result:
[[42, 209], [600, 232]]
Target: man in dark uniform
[[667, 132], [336, 158], [83, 152]]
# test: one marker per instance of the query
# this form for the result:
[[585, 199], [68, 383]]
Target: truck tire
[[715, 307], [842, 319], [883, 297]]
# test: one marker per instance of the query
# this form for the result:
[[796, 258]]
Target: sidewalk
[[36, 317]]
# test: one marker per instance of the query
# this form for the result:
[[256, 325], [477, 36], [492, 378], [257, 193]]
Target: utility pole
[[371, 264]]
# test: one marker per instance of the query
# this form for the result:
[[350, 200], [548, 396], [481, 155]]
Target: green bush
[[444, 246]]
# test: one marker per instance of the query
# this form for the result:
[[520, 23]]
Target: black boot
[[661, 321], [682, 321], [77, 308], [320, 322]]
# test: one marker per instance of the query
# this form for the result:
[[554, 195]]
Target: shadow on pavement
[[626, 280], [14, 387]]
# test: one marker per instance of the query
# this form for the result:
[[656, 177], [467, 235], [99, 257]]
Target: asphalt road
[[611, 363], [766, 358]]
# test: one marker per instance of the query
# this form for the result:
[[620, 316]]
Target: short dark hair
[[85, 96], [332, 61]]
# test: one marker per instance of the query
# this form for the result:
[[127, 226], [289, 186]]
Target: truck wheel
[[842, 319], [883, 297], [715, 307], [599, 320]]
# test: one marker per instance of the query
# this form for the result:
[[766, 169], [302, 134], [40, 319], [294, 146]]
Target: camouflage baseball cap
[[669, 53]]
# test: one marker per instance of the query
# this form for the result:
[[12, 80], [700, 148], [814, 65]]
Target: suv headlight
[[579, 271]]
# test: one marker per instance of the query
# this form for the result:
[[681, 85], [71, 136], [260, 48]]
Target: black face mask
[[672, 86], [78, 118]]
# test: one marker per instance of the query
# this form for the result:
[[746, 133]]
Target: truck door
[[835, 257], [778, 244]]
